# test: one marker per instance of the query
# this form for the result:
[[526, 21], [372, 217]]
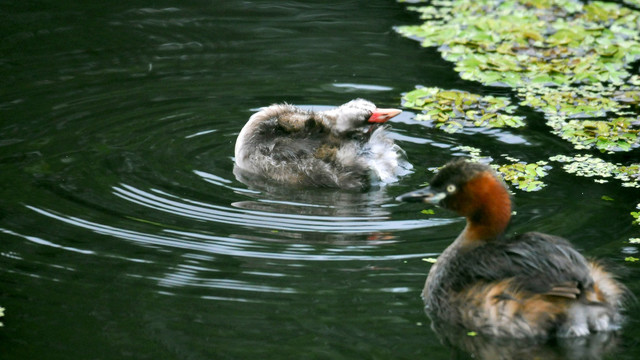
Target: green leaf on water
[[523, 176], [568, 59], [453, 110]]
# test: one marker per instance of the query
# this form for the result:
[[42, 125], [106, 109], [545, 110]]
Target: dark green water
[[124, 233]]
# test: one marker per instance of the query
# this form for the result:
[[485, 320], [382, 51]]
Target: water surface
[[125, 234]]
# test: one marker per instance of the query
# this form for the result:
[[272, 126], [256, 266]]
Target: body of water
[[125, 234]]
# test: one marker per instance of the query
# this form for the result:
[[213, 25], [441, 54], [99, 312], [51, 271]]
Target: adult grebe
[[530, 285]]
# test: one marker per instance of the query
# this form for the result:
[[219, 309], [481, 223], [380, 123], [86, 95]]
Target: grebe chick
[[345, 147], [530, 285]]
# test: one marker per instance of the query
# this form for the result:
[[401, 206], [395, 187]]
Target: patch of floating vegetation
[[521, 175], [474, 153], [635, 3], [557, 53], [542, 42], [524, 176], [615, 134], [570, 102], [452, 110], [636, 217], [589, 166], [576, 115], [567, 59]]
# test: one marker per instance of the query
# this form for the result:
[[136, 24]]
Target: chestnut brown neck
[[487, 209]]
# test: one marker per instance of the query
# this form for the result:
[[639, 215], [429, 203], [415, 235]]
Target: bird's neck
[[490, 212]]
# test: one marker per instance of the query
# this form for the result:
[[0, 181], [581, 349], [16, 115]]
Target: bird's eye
[[451, 188]]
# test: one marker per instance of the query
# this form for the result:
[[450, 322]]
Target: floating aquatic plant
[[571, 102], [635, 3], [452, 110], [612, 135], [589, 119], [567, 59], [524, 176], [589, 166], [520, 174], [558, 53], [474, 154], [540, 42], [565, 107]]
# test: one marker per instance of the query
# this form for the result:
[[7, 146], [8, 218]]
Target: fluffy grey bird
[[346, 147]]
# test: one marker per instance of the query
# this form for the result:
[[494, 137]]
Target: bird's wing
[[539, 263]]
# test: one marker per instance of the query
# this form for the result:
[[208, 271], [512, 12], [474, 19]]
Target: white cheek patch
[[436, 198]]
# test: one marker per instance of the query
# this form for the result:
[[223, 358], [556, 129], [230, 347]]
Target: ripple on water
[[286, 212]]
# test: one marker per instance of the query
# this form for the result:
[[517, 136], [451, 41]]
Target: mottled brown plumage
[[531, 285], [345, 147]]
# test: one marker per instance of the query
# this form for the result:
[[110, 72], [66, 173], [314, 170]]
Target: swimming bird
[[529, 285], [346, 147]]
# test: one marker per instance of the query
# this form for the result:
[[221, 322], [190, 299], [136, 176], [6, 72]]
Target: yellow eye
[[451, 188]]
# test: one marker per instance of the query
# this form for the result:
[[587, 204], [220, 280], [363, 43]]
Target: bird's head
[[357, 114]]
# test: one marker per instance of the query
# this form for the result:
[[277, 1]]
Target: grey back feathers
[[333, 148]]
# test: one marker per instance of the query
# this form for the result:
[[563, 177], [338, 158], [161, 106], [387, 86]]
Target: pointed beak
[[382, 115], [426, 195]]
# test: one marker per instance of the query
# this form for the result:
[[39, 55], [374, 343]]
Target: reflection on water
[[464, 344]]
